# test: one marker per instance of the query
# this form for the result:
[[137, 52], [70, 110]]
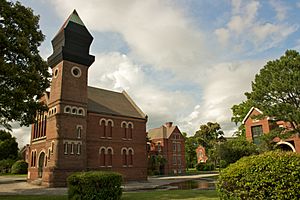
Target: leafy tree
[[190, 151], [208, 136], [233, 150], [276, 89], [23, 73], [8, 146], [239, 113]]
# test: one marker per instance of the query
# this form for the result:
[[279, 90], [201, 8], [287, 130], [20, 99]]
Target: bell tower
[[69, 62]]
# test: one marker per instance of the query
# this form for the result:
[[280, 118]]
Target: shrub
[[19, 167], [94, 185], [5, 165], [272, 175], [205, 166]]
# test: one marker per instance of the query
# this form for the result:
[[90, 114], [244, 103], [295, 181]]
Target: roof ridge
[[92, 87], [133, 104]]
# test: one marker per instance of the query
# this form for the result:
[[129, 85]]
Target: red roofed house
[[257, 127], [201, 154], [86, 128], [169, 142]]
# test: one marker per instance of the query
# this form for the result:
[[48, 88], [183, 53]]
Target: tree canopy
[[23, 73], [275, 91], [8, 146], [208, 134]]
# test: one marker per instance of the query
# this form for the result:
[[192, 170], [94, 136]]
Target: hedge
[[19, 167], [205, 166], [272, 175], [94, 185]]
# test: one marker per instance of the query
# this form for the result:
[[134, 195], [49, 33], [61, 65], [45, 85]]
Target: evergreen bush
[[272, 175], [19, 167], [95, 185], [5, 165]]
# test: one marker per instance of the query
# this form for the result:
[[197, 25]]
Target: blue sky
[[186, 61]]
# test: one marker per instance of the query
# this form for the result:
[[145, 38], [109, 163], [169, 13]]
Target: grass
[[158, 195], [9, 174]]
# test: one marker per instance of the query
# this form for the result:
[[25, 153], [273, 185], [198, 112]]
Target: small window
[[55, 73], [80, 111], [74, 111], [67, 109]]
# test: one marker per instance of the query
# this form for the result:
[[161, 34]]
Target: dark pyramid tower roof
[[72, 43]]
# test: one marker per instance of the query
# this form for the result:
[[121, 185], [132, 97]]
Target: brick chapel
[[86, 128]]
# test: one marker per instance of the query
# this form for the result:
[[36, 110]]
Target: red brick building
[[257, 127], [168, 141], [86, 128]]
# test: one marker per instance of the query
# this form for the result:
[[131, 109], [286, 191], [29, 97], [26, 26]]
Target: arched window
[[67, 109], [124, 129], [124, 157], [129, 130], [78, 149], [102, 128], [65, 148], [81, 111], [109, 129], [130, 157], [109, 157], [31, 161], [72, 148], [49, 152], [74, 110], [102, 156]]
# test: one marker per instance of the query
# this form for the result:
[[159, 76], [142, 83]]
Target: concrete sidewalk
[[14, 185]]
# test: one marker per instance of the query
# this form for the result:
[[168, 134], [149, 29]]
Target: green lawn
[[158, 195]]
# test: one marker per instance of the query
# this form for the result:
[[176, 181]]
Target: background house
[[257, 127], [168, 142]]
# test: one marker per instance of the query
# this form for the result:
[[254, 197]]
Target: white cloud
[[280, 8], [224, 87], [246, 32], [117, 72], [157, 31]]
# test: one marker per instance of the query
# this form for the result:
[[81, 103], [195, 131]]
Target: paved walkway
[[14, 185]]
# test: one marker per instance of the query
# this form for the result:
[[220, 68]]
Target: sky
[[185, 61]]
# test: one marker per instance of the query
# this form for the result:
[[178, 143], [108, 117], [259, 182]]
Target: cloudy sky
[[186, 61]]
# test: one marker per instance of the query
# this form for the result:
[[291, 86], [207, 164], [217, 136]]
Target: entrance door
[[41, 164]]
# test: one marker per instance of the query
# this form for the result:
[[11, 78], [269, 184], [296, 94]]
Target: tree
[[239, 113], [23, 73], [208, 136], [190, 151], [233, 150], [8, 146], [276, 89]]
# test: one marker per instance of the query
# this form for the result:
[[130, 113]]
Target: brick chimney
[[168, 124]]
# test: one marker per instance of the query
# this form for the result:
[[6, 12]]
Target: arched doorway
[[41, 164], [285, 146]]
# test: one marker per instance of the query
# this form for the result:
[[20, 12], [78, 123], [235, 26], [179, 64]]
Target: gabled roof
[[162, 132], [249, 113], [112, 103]]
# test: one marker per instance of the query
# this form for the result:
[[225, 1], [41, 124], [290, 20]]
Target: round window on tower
[[76, 71]]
